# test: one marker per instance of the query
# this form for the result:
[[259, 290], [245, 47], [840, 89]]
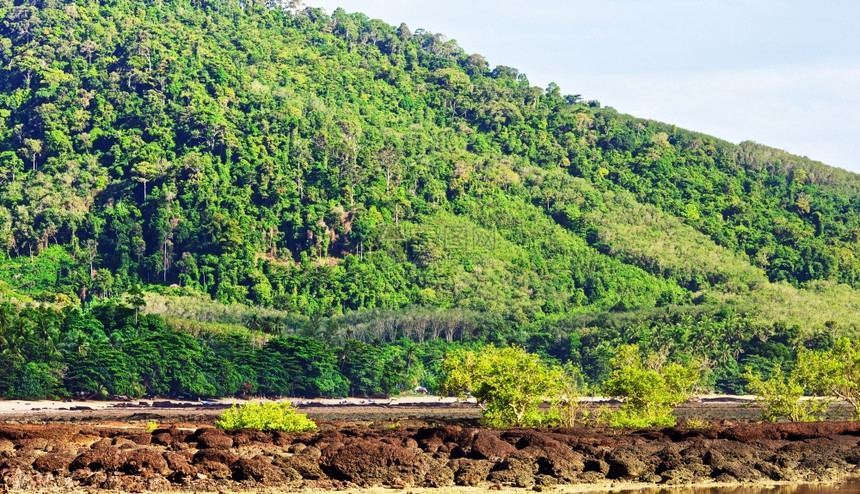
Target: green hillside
[[256, 178]]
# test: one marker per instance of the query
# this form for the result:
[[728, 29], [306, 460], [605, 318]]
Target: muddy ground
[[407, 446]]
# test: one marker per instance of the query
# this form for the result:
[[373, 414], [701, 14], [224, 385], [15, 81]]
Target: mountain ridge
[[350, 180]]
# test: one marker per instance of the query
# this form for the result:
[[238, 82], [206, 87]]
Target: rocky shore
[[342, 455]]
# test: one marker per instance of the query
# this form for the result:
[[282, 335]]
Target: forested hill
[[344, 175]]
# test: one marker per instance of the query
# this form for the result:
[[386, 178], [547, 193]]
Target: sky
[[785, 73]]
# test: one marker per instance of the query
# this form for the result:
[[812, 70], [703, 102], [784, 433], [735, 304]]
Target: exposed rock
[[470, 473], [215, 455], [430, 457], [179, 463], [214, 439], [516, 471], [216, 470], [305, 465], [54, 462], [626, 465], [102, 458], [373, 463], [145, 461], [488, 446], [260, 469], [142, 439]]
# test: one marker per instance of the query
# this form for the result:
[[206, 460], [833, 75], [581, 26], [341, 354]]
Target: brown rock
[[215, 455], [179, 463], [470, 473], [625, 465], [124, 443], [105, 458], [161, 438], [84, 439], [96, 479], [439, 474], [81, 475], [488, 446], [6, 446], [596, 465], [215, 470], [31, 444], [53, 462], [145, 461], [311, 451], [257, 468], [296, 448], [248, 436], [214, 439], [103, 443], [368, 462], [517, 470], [305, 465], [142, 439], [166, 437]]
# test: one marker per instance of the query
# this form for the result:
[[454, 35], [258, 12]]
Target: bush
[[509, 385], [832, 372], [265, 417], [565, 408], [649, 391], [780, 396]]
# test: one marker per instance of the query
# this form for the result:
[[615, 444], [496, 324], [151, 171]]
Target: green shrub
[[832, 372], [697, 423], [565, 409], [780, 396], [649, 390], [508, 383], [265, 417]]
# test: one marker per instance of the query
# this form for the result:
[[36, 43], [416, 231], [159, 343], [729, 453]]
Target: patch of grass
[[697, 423]]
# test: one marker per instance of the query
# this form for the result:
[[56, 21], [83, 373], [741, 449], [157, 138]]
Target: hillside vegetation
[[257, 172]]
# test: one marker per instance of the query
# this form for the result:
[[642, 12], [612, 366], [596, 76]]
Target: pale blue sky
[[785, 73]]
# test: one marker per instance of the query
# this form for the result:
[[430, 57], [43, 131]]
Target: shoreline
[[619, 487], [21, 406], [419, 445], [371, 458], [622, 487]]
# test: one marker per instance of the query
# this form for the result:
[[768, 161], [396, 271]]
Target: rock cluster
[[38, 457]]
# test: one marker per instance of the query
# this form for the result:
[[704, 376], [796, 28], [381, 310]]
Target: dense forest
[[301, 203]]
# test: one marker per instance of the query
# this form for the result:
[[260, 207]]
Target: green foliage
[[697, 423], [39, 381], [832, 372], [266, 417], [508, 383], [781, 396], [649, 389], [565, 407], [102, 372], [341, 173]]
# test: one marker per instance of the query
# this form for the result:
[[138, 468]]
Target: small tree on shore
[[649, 391], [509, 384], [780, 396], [834, 372]]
